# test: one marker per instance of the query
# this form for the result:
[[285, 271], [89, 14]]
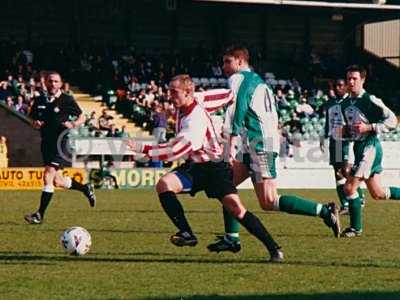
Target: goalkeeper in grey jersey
[[365, 118]]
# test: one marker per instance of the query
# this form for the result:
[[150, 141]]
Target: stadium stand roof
[[330, 4]]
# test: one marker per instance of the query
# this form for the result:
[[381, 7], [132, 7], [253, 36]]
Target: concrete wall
[[23, 141], [309, 168], [383, 40]]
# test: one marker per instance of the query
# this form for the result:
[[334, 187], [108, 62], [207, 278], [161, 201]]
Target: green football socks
[[355, 211], [300, 206], [361, 193], [394, 193], [232, 226], [342, 195], [289, 204]]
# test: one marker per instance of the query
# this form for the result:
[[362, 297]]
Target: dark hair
[[340, 79], [357, 68], [49, 73], [238, 52]]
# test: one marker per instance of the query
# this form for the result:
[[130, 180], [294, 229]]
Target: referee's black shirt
[[53, 112]]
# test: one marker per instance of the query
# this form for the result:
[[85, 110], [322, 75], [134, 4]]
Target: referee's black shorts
[[56, 152], [215, 178]]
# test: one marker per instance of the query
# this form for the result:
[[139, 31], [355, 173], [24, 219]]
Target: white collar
[[51, 98], [246, 69]]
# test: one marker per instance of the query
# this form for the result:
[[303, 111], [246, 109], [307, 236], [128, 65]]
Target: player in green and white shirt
[[255, 114], [338, 147], [366, 116]]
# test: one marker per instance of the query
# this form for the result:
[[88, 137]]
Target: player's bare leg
[[379, 192], [253, 225], [69, 183]]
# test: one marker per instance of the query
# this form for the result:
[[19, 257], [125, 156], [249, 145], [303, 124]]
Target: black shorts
[[56, 152], [214, 178]]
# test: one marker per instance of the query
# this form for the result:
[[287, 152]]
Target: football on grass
[[76, 241]]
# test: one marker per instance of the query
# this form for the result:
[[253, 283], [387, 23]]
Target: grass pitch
[[131, 257]]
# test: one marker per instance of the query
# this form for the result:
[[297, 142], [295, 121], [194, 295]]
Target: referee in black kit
[[55, 113]]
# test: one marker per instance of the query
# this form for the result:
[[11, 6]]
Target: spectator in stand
[[11, 82], [140, 97], [160, 124], [122, 133], [91, 121], [216, 70], [113, 132], [304, 109], [31, 91], [3, 152], [10, 102], [284, 150], [149, 98], [280, 100], [143, 74], [296, 86], [294, 124], [21, 106], [105, 121], [134, 85], [67, 90], [292, 98], [19, 84], [4, 91], [153, 86], [41, 84]]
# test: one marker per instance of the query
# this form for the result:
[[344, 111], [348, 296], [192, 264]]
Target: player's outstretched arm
[[171, 151], [215, 99], [388, 118]]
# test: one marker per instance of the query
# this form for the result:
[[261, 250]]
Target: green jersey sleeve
[[242, 102]]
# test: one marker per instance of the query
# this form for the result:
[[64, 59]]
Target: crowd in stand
[[136, 86], [149, 106], [103, 126]]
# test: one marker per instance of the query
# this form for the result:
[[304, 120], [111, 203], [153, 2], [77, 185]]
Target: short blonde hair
[[185, 81]]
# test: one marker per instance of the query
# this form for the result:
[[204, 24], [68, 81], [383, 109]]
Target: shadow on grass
[[42, 228], [149, 257], [374, 295], [158, 211], [189, 211]]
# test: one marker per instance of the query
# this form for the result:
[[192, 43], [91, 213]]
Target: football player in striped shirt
[[255, 114], [204, 169]]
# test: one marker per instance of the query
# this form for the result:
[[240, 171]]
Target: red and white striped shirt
[[196, 137]]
